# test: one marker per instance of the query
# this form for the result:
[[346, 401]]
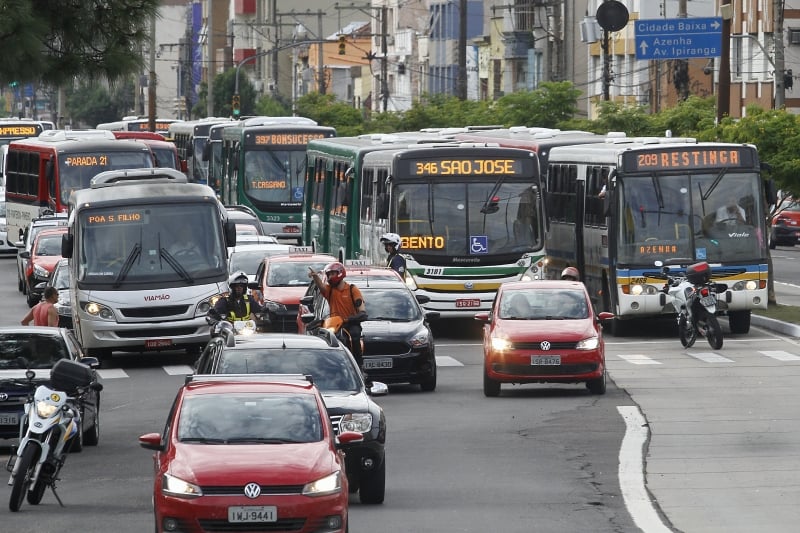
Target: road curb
[[785, 328]]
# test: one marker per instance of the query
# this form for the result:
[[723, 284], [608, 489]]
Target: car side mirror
[[482, 317]]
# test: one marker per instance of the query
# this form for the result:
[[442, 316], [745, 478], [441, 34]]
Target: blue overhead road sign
[[681, 38]]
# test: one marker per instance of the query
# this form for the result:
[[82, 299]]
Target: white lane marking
[[638, 359], [178, 370], [112, 373], [710, 357], [631, 472], [780, 355], [446, 360]]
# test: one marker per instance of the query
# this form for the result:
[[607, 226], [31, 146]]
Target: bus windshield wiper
[[490, 205], [175, 265], [128, 264]]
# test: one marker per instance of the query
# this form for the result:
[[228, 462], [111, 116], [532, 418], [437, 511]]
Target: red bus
[[41, 172], [165, 152]]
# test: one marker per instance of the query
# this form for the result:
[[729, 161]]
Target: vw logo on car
[[252, 490]]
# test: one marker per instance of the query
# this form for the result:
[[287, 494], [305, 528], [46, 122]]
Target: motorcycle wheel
[[36, 493], [713, 332], [686, 332], [27, 465]]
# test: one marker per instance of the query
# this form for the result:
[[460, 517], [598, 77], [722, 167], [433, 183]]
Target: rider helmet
[[391, 238], [570, 273], [335, 272], [238, 278]]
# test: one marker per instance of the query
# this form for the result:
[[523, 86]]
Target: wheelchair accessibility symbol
[[297, 194], [478, 244]]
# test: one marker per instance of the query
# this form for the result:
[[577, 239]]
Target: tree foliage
[[55, 41], [328, 112], [90, 104], [224, 85], [546, 107]]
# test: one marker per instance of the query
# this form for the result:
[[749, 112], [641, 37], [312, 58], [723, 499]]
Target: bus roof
[[139, 135], [265, 120], [139, 191], [83, 144], [199, 127], [612, 147]]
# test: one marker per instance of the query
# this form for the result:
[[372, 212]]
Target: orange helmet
[[335, 272], [570, 273]]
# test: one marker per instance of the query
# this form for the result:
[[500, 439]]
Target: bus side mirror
[[66, 245], [771, 192], [230, 233]]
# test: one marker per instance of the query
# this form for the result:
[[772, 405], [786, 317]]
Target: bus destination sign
[[114, 218], [283, 139], [20, 130], [458, 166], [690, 157]]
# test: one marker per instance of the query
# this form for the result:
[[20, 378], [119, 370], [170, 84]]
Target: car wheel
[[771, 240], [597, 386], [76, 444], [428, 383], [32, 299], [92, 436], [373, 485], [20, 285], [491, 388]]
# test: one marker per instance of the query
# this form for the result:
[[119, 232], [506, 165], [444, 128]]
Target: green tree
[[92, 103], [546, 107], [55, 41], [327, 111], [224, 85], [271, 107]]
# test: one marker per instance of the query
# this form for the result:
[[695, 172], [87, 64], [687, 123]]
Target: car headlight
[[358, 422], [98, 310], [63, 308], [45, 409], [420, 339], [275, 307], [588, 344], [330, 484], [40, 272], [175, 486], [500, 344]]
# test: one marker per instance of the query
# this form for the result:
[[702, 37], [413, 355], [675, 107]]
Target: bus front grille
[[155, 311], [150, 333]]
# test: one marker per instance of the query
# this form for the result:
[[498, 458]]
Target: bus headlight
[[97, 310], [637, 290], [205, 305], [745, 285]]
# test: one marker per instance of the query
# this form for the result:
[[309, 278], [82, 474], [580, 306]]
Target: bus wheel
[[739, 321], [618, 327], [100, 353]]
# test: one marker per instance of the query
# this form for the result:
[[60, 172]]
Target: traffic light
[[788, 79], [341, 45], [236, 108]]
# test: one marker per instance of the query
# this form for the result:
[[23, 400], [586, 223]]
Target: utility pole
[[151, 82], [780, 70], [276, 28], [461, 78], [724, 85], [210, 70], [680, 73], [384, 60], [320, 56]]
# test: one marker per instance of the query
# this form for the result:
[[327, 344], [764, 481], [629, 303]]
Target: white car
[[249, 256]]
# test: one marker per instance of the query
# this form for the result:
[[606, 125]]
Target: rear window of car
[[36, 351], [330, 368]]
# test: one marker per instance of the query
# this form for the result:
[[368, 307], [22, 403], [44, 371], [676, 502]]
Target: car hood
[[340, 403], [286, 295], [381, 330], [47, 261], [552, 330], [239, 464]]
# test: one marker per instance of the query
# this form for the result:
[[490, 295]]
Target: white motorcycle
[[49, 427], [694, 297]]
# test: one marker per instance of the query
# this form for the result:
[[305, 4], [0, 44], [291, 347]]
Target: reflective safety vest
[[246, 316]]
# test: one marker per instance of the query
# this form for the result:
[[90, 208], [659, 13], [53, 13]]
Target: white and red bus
[[134, 123], [41, 172], [165, 152]]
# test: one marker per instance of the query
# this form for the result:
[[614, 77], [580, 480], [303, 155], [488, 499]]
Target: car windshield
[[397, 305], [48, 245], [538, 304], [61, 277], [291, 273], [249, 260], [25, 350], [249, 418], [331, 369]]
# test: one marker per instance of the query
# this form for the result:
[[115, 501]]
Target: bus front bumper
[[104, 334]]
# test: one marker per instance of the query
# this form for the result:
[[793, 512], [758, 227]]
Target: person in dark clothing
[[238, 305], [395, 261]]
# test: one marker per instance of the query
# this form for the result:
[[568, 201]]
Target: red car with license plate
[[249, 452], [543, 332]]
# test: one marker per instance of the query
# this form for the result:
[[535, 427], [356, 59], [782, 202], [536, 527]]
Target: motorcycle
[[49, 426], [229, 330], [694, 297]]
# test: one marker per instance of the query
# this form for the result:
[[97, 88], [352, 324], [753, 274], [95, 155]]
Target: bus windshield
[[76, 169], [704, 217], [468, 219], [199, 167], [275, 176], [149, 244]]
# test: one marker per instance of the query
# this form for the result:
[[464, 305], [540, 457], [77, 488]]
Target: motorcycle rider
[[345, 301], [238, 305], [571, 274], [395, 261]]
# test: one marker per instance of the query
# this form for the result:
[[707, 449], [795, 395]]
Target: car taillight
[[704, 291]]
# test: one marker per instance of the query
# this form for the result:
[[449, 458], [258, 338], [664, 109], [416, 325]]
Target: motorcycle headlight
[[330, 484], [98, 310], [175, 486], [45, 409], [358, 422], [588, 344], [420, 338]]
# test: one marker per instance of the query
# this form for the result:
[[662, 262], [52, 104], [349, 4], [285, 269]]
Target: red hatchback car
[[543, 332], [41, 260], [249, 453]]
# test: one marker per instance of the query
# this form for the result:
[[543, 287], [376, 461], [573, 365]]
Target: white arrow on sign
[[716, 25], [643, 46]]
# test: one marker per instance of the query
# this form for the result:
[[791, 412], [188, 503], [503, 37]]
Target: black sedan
[[335, 374], [398, 341], [38, 349]]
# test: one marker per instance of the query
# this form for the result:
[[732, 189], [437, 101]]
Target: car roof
[[373, 283], [34, 330], [258, 246], [51, 231], [548, 284], [300, 257], [281, 340], [232, 383]]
